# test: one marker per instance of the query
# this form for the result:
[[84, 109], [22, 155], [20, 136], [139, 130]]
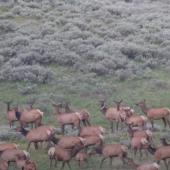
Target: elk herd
[[90, 140]]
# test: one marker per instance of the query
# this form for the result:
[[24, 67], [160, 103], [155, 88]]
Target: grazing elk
[[145, 166], [155, 113], [67, 119]]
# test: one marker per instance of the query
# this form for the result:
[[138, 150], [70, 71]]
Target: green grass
[[81, 92]]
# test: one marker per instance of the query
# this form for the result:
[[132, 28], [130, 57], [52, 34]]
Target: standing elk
[[67, 118], [110, 151], [64, 155], [111, 113], [39, 134], [116, 114], [11, 116], [155, 113], [84, 112], [29, 116]]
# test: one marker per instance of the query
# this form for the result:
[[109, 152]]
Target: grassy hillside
[[81, 52]]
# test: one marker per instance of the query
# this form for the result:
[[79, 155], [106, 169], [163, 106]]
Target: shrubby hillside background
[[122, 38]]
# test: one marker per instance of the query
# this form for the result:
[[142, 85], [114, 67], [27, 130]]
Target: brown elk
[[92, 131], [111, 113], [10, 114], [145, 166], [160, 154], [5, 146], [64, 155], [138, 144], [10, 155], [39, 134], [67, 119], [84, 112], [29, 116], [110, 151], [69, 142], [155, 113], [140, 133], [29, 165]]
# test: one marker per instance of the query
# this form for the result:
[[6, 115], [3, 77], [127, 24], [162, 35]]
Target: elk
[[145, 166], [67, 119], [136, 120], [31, 116], [84, 112], [140, 133], [91, 131], [29, 165], [5, 146], [117, 114], [64, 155], [155, 113], [93, 141], [4, 165], [10, 114], [10, 155], [39, 134], [81, 157], [139, 143], [110, 151], [111, 113], [69, 142], [160, 154]]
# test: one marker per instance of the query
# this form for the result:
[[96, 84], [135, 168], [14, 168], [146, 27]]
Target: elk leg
[[111, 126], [164, 121], [88, 122], [62, 129], [68, 164], [111, 159], [36, 145], [62, 166], [84, 122], [51, 162], [152, 123], [55, 163], [29, 144], [167, 120], [117, 125], [101, 163], [166, 165]]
